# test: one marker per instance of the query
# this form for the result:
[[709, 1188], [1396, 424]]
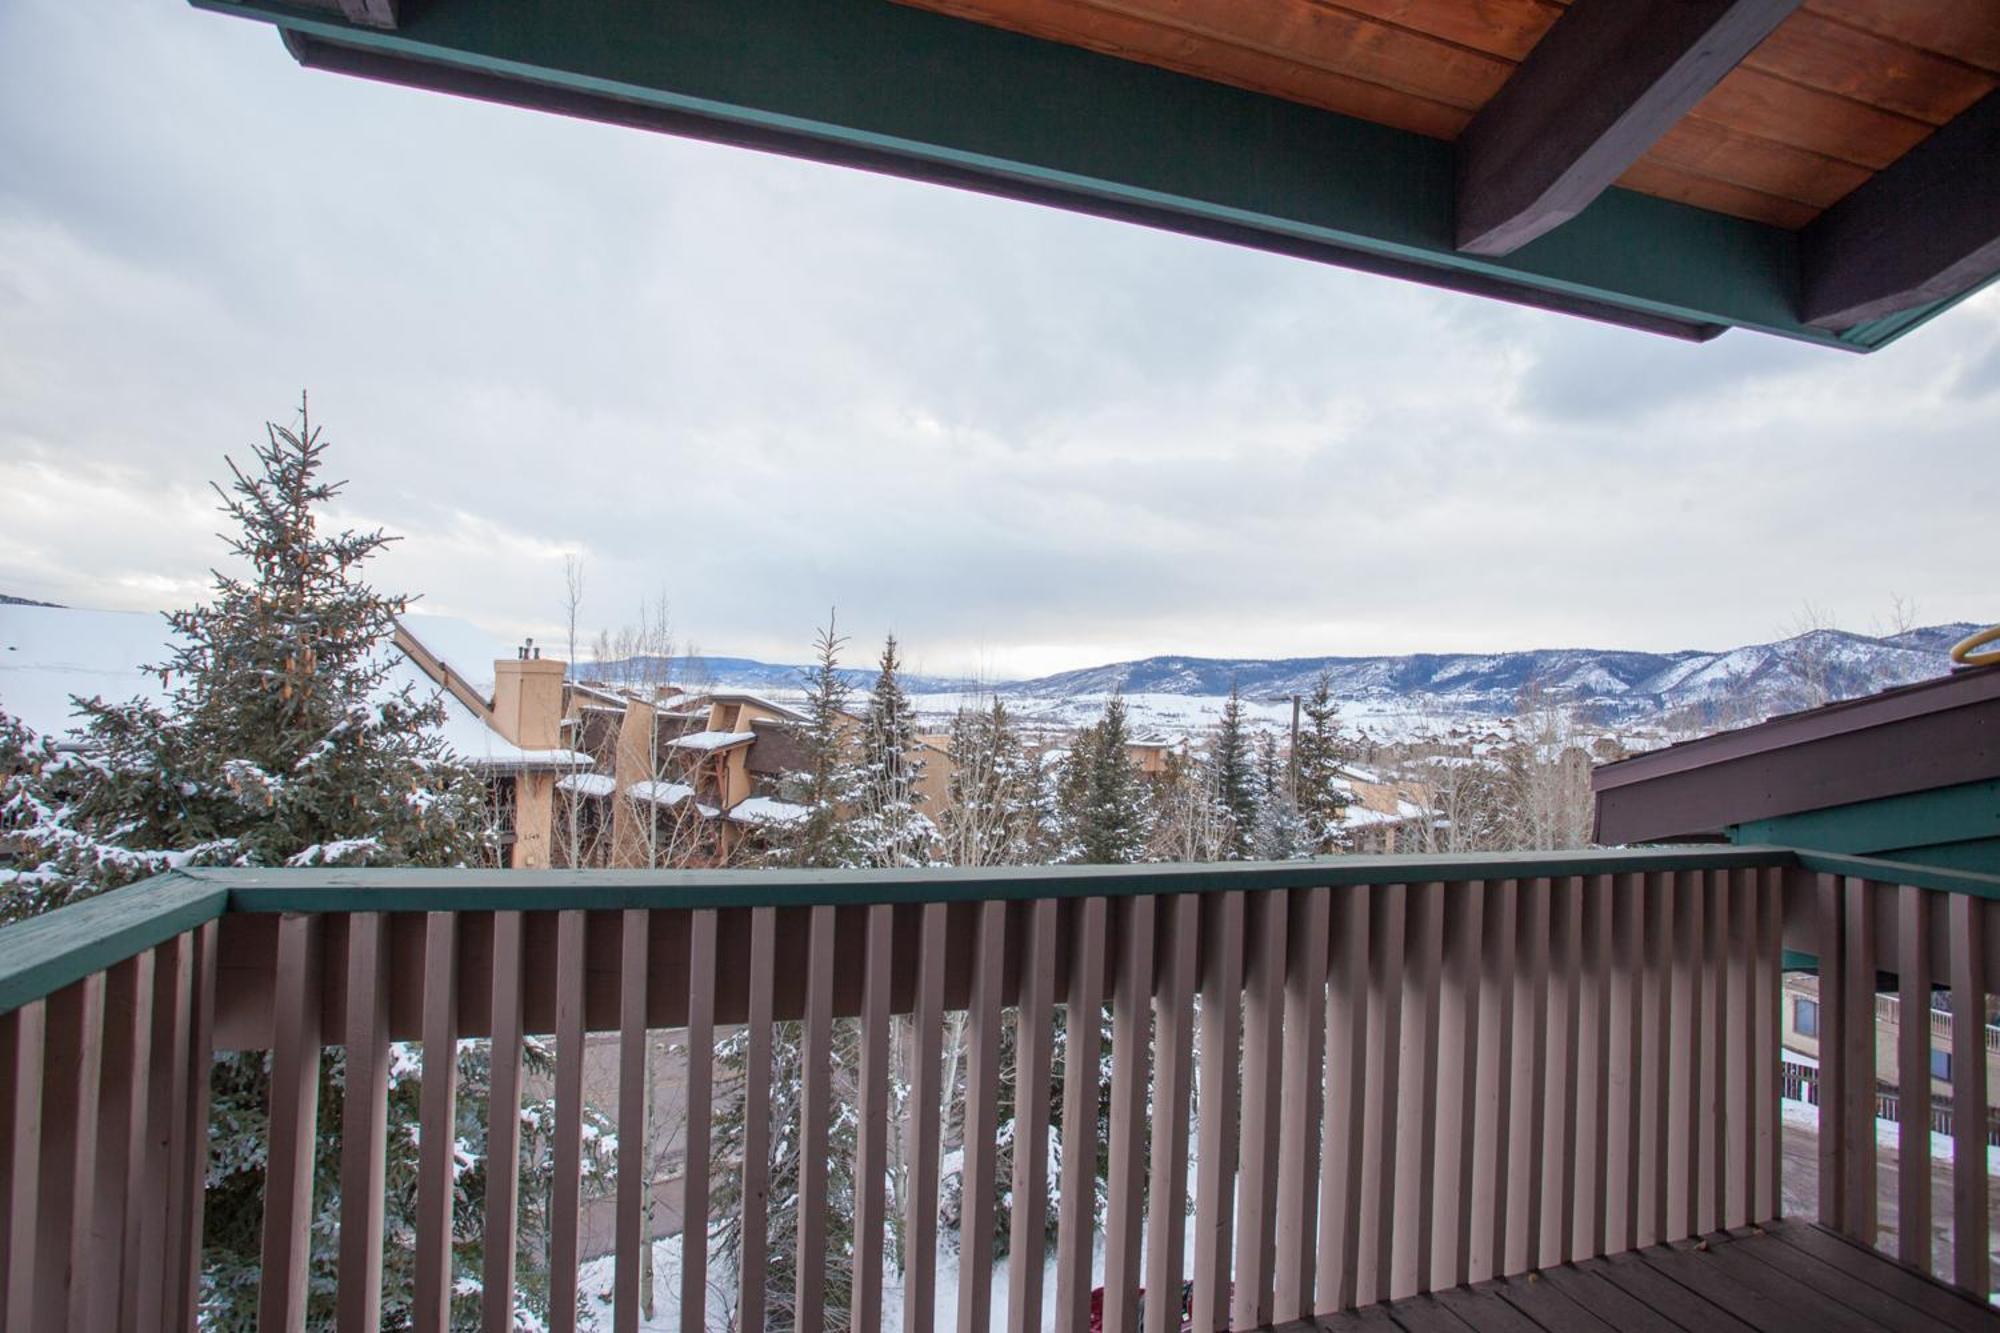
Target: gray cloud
[[1020, 438]]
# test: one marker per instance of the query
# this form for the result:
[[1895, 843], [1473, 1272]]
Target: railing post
[[1830, 939], [288, 1174], [1970, 1227], [1913, 1078], [23, 1049]]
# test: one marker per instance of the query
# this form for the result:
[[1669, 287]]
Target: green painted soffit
[[897, 89], [1955, 827]]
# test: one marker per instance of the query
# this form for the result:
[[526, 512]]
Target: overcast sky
[[1020, 439]]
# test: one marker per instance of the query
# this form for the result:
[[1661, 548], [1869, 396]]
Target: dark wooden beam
[[1596, 92], [371, 13], [1924, 229]]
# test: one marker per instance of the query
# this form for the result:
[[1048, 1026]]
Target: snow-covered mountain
[[1612, 684], [1618, 685]]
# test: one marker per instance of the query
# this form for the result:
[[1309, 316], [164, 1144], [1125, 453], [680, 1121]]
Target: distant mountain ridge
[[1618, 684], [1615, 684]]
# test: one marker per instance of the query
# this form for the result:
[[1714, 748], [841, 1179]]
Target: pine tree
[[1104, 808], [1322, 794], [989, 815], [1280, 831], [280, 743], [828, 784], [1190, 823], [1235, 783], [889, 826]]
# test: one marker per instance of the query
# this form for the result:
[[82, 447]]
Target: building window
[[1805, 1016], [1940, 1065]]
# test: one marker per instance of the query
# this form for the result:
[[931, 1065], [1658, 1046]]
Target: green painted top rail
[[43, 954], [405, 890], [1967, 882], [46, 953]]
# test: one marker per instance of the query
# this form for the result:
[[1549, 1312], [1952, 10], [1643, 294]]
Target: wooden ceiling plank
[[1609, 79], [1967, 30], [1663, 181], [1505, 28], [1752, 102], [1332, 39], [1706, 148], [1078, 24], [1813, 50], [1925, 230]]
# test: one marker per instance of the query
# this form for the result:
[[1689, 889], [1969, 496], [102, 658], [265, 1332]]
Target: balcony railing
[[1362, 1078]]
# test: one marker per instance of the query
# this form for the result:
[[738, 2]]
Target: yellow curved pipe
[[1962, 653]]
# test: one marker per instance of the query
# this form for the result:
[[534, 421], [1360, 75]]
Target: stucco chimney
[[528, 701]]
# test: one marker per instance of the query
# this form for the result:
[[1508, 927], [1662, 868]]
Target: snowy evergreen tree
[[1322, 794], [1231, 764], [828, 785], [280, 742], [1280, 832], [989, 814], [1104, 809], [1189, 823], [889, 826]]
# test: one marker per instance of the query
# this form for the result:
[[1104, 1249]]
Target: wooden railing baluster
[[1971, 1265], [437, 1115], [759, 1002], [1385, 1032], [1739, 1110], [982, 1121], [926, 1109], [1534, 1155], [1215, 1182], [128, 1023], [1857, 1050], [815, 1116], [1493, 1144], [629, 1205], [24, 1059], [1830, 936], [1131, 1072], [1594, 1174], [1034, 1046], [1680, 1148], [565, 1204], [1300, 1105], [1458, 1078], [873, 1128], [1173, 1035], [703, 930], [1082, 1046], [1567, 1068], [288, 1174], [1416, 1161], [363, 1122], [1344, 1115], [1913, 1078], [1257, 1179], [1767, 1193], [503, 1127]]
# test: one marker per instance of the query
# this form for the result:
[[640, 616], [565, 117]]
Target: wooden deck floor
[[1789, 1277]]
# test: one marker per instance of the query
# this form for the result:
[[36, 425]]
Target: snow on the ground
[[598, 1275], [1888, 1134]]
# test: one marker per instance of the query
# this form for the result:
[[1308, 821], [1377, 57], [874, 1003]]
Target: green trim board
[[896, 89], [393, 890], [45, 953], [1911, 827]]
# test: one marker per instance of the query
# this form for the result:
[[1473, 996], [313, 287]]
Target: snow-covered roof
[[49, 653], [588, 784], [763, 810], [660, 793], [713, 740], [743, 697]]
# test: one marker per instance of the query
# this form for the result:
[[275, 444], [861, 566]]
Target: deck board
[[1772, 1279]]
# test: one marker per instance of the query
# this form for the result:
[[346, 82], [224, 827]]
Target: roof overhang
[[932, 96], [1938, 733]]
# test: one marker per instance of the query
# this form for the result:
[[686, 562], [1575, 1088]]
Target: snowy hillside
[[1617, 685]]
